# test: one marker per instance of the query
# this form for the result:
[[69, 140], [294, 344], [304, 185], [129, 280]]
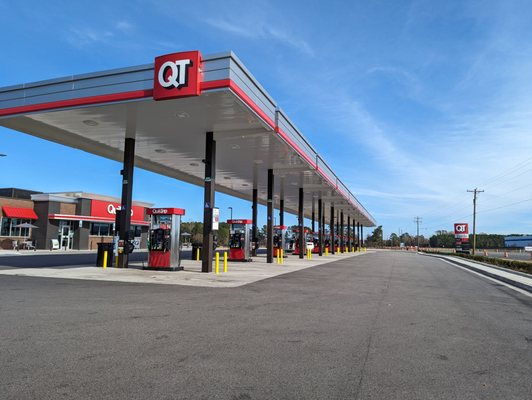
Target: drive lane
[[384, 325]]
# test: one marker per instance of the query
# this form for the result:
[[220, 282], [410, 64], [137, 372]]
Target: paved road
[[381, 326]]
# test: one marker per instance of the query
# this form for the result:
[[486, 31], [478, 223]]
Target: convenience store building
[[72, 220]]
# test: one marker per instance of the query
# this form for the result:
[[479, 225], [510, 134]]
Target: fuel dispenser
[[239, 239], [316, 241], [163, 240], [307, 239], [279, 232]]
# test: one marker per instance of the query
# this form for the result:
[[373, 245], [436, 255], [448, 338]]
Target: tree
[[394, 240], [375, 239]]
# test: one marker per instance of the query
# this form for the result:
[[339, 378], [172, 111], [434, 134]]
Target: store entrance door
[[66, 234]]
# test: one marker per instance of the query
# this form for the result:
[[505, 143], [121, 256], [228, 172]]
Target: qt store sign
[[177, 75], [461, 230]]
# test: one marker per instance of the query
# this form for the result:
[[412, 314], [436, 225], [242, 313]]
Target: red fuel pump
[[308, 239], [239, 239], [164, 237]]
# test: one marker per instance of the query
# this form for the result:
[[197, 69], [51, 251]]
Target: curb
[[504, 279]]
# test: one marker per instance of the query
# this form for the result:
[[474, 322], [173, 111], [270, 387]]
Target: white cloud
[[261, 30]]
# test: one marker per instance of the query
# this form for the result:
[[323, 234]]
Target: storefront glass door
[[66, 234]]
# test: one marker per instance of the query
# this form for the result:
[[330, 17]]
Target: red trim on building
[[71, 217], [17, 212]]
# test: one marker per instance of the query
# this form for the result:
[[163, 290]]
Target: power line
[[475, 191]]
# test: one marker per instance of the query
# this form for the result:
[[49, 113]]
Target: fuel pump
[[316, 241], [307, 239], [239, 239], [278, 239], [164, 237]]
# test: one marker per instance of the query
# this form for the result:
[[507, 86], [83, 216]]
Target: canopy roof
[[95, 112]]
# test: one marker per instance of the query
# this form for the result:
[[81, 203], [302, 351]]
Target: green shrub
[[515, 265]]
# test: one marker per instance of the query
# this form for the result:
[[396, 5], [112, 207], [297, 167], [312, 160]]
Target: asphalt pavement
[[389, 325]]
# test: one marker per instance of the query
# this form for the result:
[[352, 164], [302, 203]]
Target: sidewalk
[[5, 253], [238, 274], [515, 278]]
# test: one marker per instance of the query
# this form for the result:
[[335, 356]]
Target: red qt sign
[[177, 75], [461, 229], [105, 209]]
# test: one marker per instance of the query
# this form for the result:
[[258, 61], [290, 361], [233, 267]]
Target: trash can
[[102, 248], [195, 248]]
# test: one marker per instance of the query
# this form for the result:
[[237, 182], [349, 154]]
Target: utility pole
[[475, 191], [417, 220]]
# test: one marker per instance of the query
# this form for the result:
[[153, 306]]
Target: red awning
[[16, 212]]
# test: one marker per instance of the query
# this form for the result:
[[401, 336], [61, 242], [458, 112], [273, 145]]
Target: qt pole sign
[[461, 236], [177, 75]]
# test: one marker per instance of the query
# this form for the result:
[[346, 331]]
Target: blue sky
[[411, 102]]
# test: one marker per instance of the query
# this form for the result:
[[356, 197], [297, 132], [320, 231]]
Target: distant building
[[77, 220], [517, 241]]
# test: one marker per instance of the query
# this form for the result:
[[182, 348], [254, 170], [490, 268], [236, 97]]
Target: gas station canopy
[[95, 112]]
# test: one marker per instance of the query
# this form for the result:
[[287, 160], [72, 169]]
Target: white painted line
[[488, 277]]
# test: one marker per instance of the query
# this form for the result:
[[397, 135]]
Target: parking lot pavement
[[387, 325], [238, 273]]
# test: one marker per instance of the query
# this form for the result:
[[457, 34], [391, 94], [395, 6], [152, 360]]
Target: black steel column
[[254, 239], [269, 222], [208, 203], [320, 228], [313, 226], [342, 232], [348, 244], [323, 229], [281, 212], [331, 222], [301, 223], [358, 233], [354, 234], [362, 235], [124, 216], [338, 225]]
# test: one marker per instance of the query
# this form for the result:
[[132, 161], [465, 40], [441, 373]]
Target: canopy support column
[[254, 240], [208, 204], [313, 226], [301, 223], [333, 236], [342, 242], [123, 218], [269, 222], [348, 244], [358, 234], [320, 228]]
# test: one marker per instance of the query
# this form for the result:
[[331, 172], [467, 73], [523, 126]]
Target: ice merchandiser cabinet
[[164, 238]]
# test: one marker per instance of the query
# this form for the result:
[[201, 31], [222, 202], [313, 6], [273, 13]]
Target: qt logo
[[177, 75], [460, 228]]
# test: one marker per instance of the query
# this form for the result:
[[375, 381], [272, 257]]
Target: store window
[[101, 229], [9, 227], [137, 229]]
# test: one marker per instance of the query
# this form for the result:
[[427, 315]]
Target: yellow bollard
[[225, 261], [278, 255], [326, 251], [197, 254], [217, 264], [105, 259], [282, 256]]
